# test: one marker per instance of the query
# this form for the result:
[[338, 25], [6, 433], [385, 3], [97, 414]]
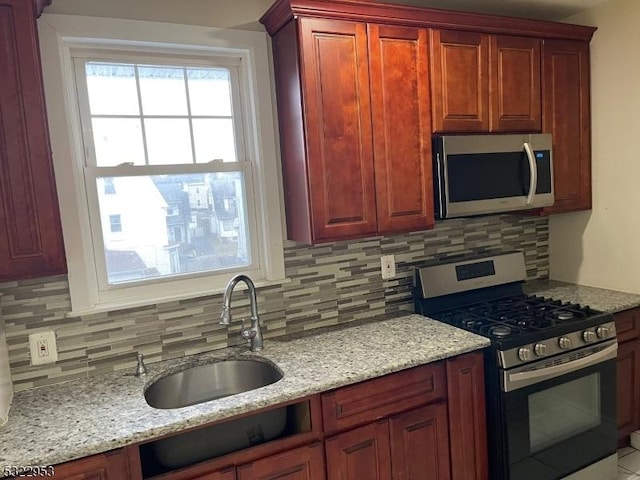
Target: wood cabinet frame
[[30, 230], [628, 373]]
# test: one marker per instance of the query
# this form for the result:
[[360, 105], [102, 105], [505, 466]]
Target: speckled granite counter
[[598, 298], [54, 424]]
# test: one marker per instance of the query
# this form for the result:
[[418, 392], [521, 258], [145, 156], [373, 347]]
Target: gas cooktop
[[520, 319], [484, 295]]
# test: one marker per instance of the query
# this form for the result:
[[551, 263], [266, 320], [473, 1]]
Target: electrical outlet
[[388, 266], [43, 348]]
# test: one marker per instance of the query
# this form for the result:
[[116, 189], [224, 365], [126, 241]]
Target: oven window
[[560, 412]]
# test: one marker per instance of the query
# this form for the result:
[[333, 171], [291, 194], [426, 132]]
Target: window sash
[[92, 171], [238, 114]]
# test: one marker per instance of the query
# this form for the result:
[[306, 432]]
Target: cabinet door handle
[[533, 181]]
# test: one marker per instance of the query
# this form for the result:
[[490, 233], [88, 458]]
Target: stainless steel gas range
[[550, 372]]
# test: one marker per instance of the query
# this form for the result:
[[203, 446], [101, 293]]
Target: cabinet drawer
[[628, 324], [380, 397]]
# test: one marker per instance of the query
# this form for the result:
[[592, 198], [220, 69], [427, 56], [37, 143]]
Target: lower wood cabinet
[[426, 422], [410, 445], [628, 373], [105, 466], [226, 474], [420, 444], [467, 417], [360, 453], [305, 463]]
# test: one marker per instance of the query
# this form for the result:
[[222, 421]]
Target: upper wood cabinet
[[400, 103], [460, 81], [335, 79], [339, 85], [357, 106], [30, 233], [485, 83], [515, 84], [567, 116]]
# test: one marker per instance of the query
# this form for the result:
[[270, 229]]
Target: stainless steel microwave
[[481, 174]]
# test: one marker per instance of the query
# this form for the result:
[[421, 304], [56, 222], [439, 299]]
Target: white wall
[[241, 14], [601, 247]]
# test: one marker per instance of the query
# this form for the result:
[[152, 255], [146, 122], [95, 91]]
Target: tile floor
[[628, 464]]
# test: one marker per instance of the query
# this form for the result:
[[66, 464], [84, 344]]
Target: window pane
[[173, 224], [163, 91], [117, 140], [214, 140], [168, 141], [210, 91], [112, 89]]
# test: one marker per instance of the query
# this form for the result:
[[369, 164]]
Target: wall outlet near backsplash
[[43, 348]]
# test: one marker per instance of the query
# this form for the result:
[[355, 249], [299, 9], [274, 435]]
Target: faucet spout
[[254, 332]]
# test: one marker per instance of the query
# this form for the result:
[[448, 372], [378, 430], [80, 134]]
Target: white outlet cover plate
[[388, 266], [50, 339]]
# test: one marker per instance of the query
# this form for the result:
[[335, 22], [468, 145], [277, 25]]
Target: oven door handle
[[533, 167], [513, 381]]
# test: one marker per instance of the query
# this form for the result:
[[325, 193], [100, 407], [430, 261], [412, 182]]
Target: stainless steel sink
[[210, 382]]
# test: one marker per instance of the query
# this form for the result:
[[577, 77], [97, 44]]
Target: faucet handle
[[141, 369], [247, 333]]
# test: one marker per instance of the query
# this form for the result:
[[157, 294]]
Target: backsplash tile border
[[329, 284]]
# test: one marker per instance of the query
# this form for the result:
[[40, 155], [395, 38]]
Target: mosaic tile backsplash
[[329, 284]]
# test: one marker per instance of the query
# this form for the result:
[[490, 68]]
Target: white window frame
[[63, 37]]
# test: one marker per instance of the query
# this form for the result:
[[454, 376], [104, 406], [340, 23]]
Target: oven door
[[560, 418]]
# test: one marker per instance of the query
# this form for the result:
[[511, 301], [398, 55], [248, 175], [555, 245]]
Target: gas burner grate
[[515, 316]]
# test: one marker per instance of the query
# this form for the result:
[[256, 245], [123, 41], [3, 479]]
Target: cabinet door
[[30, 233], [107, 466], [335, 77], [566, 115], [467, 417], [515, 84], [360, 454], [628, 387], [305, 463], [227, 474], [398, 59], [420, 443], [627, 324], [460, 81]]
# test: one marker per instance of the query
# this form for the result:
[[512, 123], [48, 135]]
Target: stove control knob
[[564, 343], [602, 332], [589, 336], [524, 354], [540, 349]]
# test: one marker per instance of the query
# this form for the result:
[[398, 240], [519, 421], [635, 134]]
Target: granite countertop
[[66, 421], [597, 298]]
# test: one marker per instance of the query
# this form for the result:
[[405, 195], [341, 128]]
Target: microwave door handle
[[533, 181]]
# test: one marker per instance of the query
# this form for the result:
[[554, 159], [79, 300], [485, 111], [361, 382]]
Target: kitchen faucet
[[253, 333]]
